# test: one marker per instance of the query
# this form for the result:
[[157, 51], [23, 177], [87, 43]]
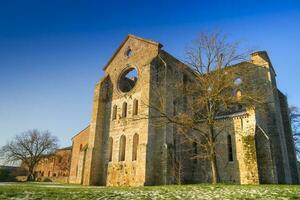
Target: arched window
[[135, 107], [128, 52], [49, 173], [135, 144], [114, 115], [122, 148], [80, 148], [110, 147], [229, 144], [124, 110]]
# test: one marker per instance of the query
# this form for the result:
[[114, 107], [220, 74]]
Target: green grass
[[200, 191]]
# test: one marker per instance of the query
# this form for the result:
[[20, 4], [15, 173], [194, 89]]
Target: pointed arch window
[[229, 144], [135, 146], [124, 110], [110, 147], [114, 115], [135, 107], [122, 148]]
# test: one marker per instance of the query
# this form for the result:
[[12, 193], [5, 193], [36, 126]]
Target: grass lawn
[[205, 191]]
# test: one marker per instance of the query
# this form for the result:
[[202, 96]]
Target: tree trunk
[[213, 158], [214, 170], [30, 176]]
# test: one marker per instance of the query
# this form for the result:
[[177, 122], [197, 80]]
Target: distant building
[[55, 167]]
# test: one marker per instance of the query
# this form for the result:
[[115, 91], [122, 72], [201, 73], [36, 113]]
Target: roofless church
[[120, 148]]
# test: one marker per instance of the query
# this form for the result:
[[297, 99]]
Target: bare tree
[[211, 92], [295, 121], [29, 148]]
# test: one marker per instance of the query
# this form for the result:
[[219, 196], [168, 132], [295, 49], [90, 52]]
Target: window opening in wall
[[128, 53], [135, 107], [128, 80], [135, 146], [114, 115], [122, 148], [195, 151], [110, 149], [230, 153], [242, 125], [124, 110]]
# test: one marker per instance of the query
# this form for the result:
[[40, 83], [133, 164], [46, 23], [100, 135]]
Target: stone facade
[[122, 146], [79, 147], [55, 167]]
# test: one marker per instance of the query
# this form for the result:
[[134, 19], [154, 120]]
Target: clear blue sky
[[52, 52]]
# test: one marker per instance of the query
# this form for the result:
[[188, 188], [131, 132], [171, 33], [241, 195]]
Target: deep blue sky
[[52, 52]]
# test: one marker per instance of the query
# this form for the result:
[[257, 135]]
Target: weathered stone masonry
[[116, 149]]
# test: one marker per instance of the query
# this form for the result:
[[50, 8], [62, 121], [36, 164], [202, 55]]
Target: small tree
[[295, 121], [29, 148]]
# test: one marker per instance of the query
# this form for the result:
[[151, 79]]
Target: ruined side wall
[[54, 167], [272, 117], [80, 141], [259, 73], [289, 138], [243, 170], [174, 165], [266, 165]]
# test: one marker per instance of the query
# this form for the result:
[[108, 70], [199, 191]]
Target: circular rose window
[[128, 80]]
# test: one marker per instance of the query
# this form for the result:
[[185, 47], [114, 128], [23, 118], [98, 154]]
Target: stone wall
[[79, 144], [99, 170], [260, 142], [55, 167], [289, 137]]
